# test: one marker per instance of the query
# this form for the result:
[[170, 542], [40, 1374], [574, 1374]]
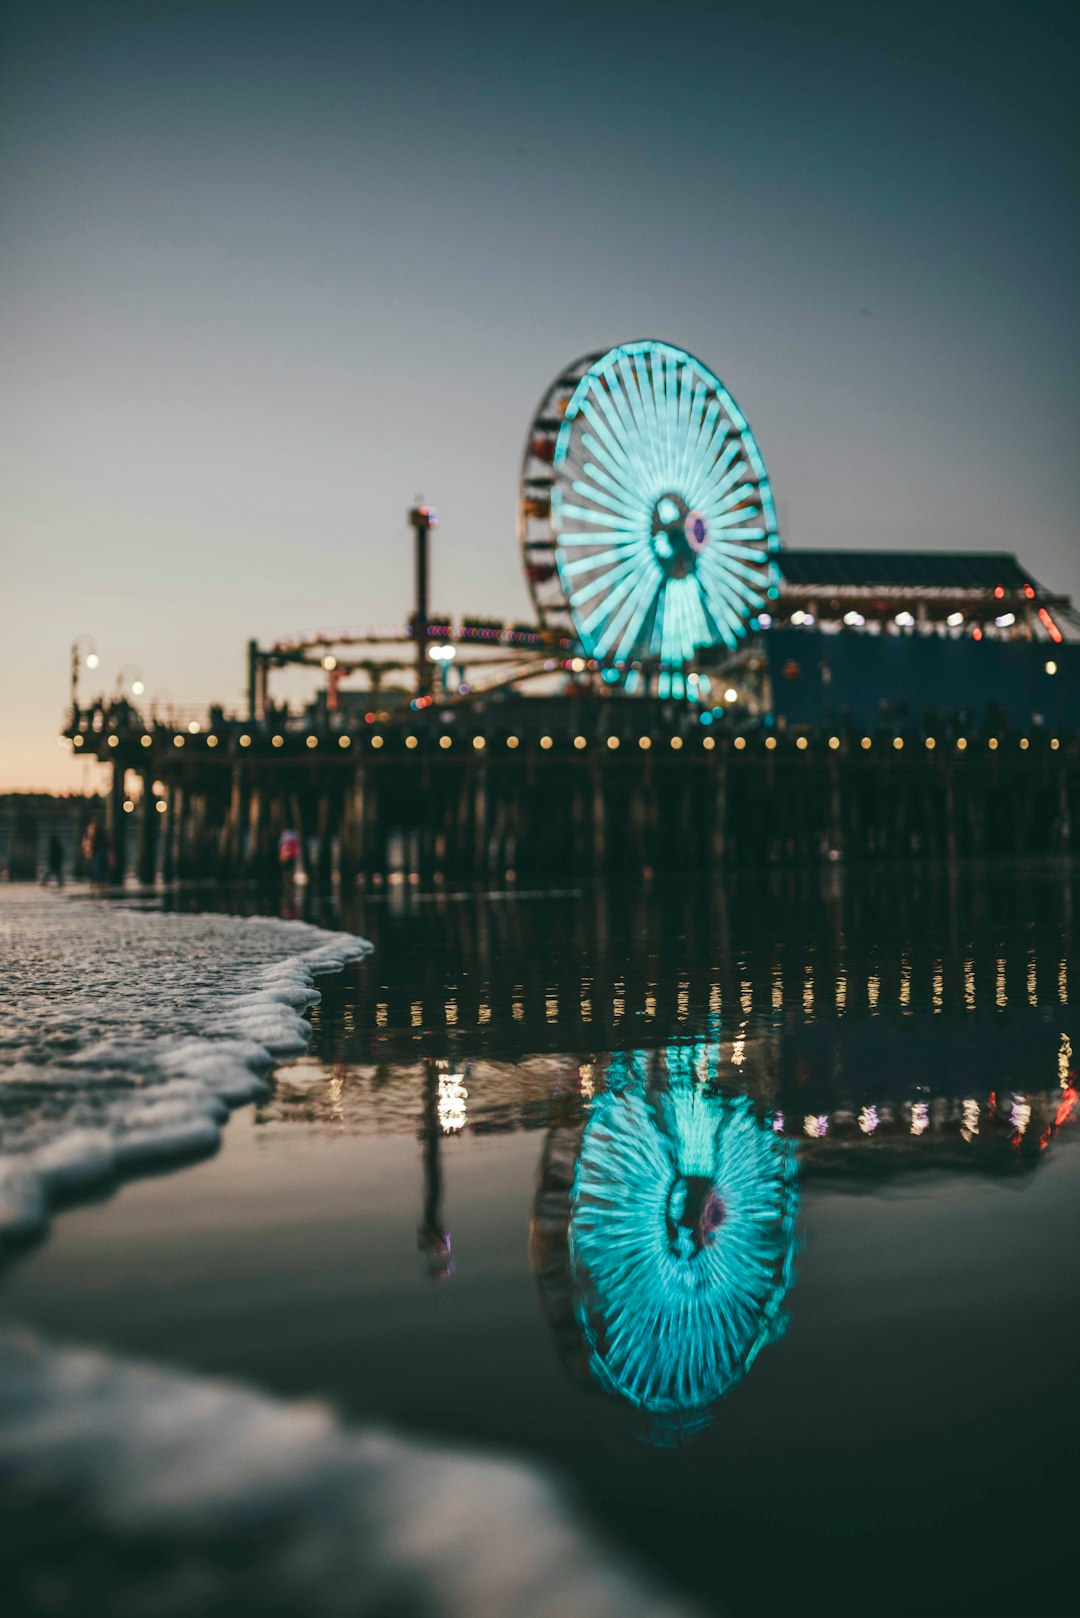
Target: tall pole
[[423, 519], [253, 682]]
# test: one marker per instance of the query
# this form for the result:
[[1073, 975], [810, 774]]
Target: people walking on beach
[[54, 863], [95, 847], [289, 852]]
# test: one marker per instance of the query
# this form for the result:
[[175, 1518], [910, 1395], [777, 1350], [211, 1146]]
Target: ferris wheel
[[646, 518]]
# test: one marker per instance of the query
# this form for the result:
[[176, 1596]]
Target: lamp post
[[422, 520], [83, 653], [129, 680]]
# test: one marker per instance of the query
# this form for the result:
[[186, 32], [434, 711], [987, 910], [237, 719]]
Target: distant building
[[911, 637], [28, 820]]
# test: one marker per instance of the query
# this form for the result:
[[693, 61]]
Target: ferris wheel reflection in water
[[664, 1238]]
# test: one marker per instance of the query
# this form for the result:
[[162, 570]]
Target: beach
[[387, 1226]]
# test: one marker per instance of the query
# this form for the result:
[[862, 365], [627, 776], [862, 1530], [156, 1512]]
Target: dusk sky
[[271, 270]]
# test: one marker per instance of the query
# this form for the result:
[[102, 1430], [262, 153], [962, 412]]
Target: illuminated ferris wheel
[[663, 1236], [646, 519]]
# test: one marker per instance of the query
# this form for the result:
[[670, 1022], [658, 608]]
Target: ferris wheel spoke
[[729, 483], [623, 636], [651, 427], [638, 606], [694, 419], [733, 601], [687, 397], [599, 497], [740, 506], [670, 633], [670, 639], [656, 634], [680, 646], [728, 525], [622, 627], [736, 595], [621, 470], [734, 560], [602, 519], [676, 643], [647, 465], [691, 428], [695, 614], [725, 525], [612, 442], [637, 443], [711, 464], [706, 443], [665, 407], [621, 588], [703, 616], [728, 468], [729, 625], [663, 414], [605, 480], [645, 416], [616, 469], [723, 587], [744, 533], [611, 401], [598, 559], [660, 408]]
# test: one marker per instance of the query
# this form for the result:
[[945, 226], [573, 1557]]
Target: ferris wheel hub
[[678, 535]]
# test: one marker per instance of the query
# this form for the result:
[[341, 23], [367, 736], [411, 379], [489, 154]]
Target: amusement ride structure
[[651, 551], [648, 536]]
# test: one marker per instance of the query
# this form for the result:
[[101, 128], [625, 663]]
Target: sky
[[271, 270]]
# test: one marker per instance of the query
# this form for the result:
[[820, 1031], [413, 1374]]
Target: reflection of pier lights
[[445, 1098]]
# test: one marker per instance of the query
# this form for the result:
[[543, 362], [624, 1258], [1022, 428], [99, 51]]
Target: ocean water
[[744, 1213], [131, 1487]]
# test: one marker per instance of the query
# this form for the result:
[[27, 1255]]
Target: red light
[[1066, 1108], [999, 590], [1029, 591], [1052, 629], [976, 633]]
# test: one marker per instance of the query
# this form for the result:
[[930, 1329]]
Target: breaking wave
[[128, 1035], [133, 1491]]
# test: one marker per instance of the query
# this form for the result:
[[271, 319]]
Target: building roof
[[903, 570]]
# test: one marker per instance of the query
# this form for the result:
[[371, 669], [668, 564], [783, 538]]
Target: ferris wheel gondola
[[646, 517]]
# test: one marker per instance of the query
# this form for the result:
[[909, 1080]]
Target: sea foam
[[128, 1034], [134, 1491]]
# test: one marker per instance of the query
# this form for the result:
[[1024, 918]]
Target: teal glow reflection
[[664, 520], [682, 1236]]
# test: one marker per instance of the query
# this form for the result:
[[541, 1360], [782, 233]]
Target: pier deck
[[542, 788]]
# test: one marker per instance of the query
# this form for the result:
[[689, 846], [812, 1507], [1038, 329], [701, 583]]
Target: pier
[[689, 696], [548, 788]]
